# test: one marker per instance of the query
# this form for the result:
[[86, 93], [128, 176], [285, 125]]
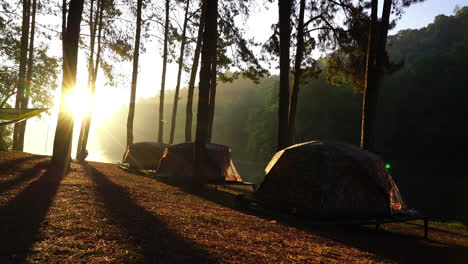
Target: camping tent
[[143, 155], [331, 180], [177, 164]]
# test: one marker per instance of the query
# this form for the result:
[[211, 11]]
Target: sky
[[40, 132]]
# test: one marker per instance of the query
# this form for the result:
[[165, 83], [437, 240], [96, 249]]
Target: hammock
[[10, 115]]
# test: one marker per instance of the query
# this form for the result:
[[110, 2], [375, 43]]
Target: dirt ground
[[99, 213]]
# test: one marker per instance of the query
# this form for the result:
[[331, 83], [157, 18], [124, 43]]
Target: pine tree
[[179, 73], [208, 53], [22, 70], [193, 73], [163, 78], [64, 131], [24, 104], [284, 42], [131, 109]]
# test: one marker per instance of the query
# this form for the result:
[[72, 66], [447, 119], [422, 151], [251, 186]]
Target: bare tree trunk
[[64, 131], [93, 86], [92, 34], [367, 133], [297, 74], [64, 22], [163, 78], [208, 53], [24, 104], [284, 21], [136, 54], [211, 109], [22, 69], [179, 74], [193, 74], [372, 94]]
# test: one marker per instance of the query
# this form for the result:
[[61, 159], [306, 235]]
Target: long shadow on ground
[[393, 246], [158, 243], [21, 219], [27, 174], [13, 164]]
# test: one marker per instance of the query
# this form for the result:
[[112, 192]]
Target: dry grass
[[99, 213]]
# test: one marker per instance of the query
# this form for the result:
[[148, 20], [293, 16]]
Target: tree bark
[[297, 74], [24, 104], [179, 74], [211, 109], [193, 74], [64, 131], [284, 21], [64, 22], [382, 37], [368, 102], [136, 54], [372, 94], [208, 53], [93, 86], [22, 70], [92, 34], [163, 78]]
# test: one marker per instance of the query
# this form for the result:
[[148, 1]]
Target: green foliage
[[317, 119], [5, 140], [45, 68]]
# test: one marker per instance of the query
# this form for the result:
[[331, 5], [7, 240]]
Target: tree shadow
[[21, 219], [26, 175], [402, 248], [157, 242], [13, 164]]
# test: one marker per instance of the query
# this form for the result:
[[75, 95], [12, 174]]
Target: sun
[[101, 106], [78, 102]]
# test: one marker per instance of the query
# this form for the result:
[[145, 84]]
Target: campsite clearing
[[99, 213]]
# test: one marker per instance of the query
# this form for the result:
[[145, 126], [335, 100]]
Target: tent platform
[[247, 201], [126, 166], [245, 188]]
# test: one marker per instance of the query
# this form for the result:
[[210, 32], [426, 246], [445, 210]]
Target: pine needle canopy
[[11, 115]]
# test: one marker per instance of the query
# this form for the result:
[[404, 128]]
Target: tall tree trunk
[[208, 53], [284, 21], [179, 74], [371, 95], [22, 69], [193, 75], [64, 22], [93, 86], [367, 129], [24, 104], [297, 75], [211, 109], [136, 54], [64, 131], [92, 34], [163, 78]]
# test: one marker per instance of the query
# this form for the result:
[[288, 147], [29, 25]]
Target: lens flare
[[78, 102]]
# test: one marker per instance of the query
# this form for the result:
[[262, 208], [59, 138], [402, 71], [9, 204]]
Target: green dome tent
[[143, 155], [331, 180], [177, 164]]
